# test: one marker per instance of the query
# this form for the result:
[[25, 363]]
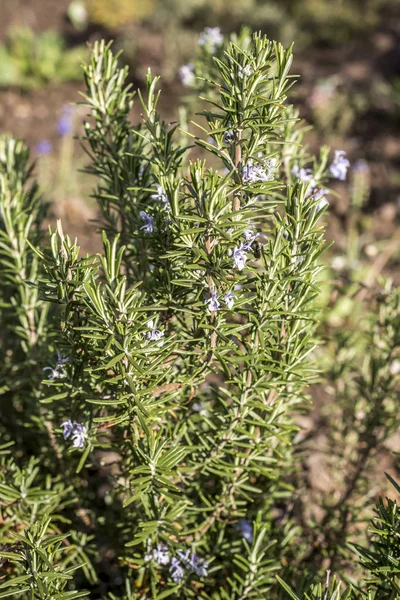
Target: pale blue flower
[[260, 172], [194, 563], [229, 299], [213, 302], [176, 570], [79, 435], [148, 222], [57, 371], [211, 38], [161, 555], [239, 257], [305, 176], [154, 334], [339, 166], [68, 428], [161, 196], [186, 74]]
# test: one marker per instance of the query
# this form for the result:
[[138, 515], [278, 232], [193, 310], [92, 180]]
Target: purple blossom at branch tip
[[60, 360], [67, 428], [229, 299], [148, 222], [246, 71], [79, 435], [239, 257], [161, 196], [211, 38], [249, 236], [245, 528], [176, 570], [339, 166], [64, 123], [44, 147], [213, 302], [186, 74]]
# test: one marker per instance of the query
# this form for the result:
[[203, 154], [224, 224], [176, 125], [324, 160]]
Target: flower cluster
[[262, 171], [57, 371], [240, 252], [187, 562], [160, 555], [246, 71], [78, 432], [211, 38]]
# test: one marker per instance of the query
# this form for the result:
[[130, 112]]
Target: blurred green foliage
[[29, 60]]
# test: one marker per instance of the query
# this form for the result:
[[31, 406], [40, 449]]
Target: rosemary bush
[[149, 393]]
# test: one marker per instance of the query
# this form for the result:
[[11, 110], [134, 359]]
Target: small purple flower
[[153, 335], [229, 299], [213, 302], [254, 173], [60, 360], [186, 75], [44, 147], [176, 570], [361, 166], [57, 371], [68, 428], [65, 122], [239, 257], [148, 222], [79, 435], [211, 38], [245, 527], [161, 555], [161, 196], [246, 71], [194, 563], [305, 176], [339, 166]]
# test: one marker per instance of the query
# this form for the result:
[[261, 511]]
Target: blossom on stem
[[57, 371], [176, 570], [260, 172], [321, 199], [305, 176], [64, 123], [79, 435], [148, 222], [68, 428], [161, 196], [213, 302], [239, 257], [44, 147], [339, 166], [186, 74], [154, 334], [211, 38], [229, 299]]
